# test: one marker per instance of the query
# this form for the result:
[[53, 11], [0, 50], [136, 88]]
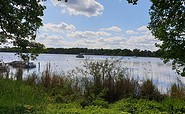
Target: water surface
[[139, 67]]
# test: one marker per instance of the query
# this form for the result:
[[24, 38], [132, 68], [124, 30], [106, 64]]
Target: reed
[[31, 79], [108, 80], [19, 73], [4, 70], [96, 80], [149, 91], [177, 91]]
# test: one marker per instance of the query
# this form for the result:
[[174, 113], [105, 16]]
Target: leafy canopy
[[19, 21], [168, 25]]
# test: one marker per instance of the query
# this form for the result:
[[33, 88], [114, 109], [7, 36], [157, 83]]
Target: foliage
[[135, 106], [134, 2], [174, 105], [100, 102], [73, 108], [19, 21], [168, 25]]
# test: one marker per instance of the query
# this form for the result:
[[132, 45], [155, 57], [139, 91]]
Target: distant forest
[[86, 51]]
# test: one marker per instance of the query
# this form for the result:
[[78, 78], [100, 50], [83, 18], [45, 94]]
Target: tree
[[168, 25], [19, 21], [134, 2]]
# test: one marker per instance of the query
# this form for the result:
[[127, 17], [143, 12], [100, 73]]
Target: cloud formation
[[62, 27], [131, 32], [50, 40], [141, 38], [142, 28], [113, 28], [80, 7], [88, 34]]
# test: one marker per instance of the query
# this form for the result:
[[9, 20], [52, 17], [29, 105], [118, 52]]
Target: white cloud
[[143, 39], [88, 34], [62, 27], [114, 39], [114, 42], [143, 42], [131, 32], [142, 28], [80, 7], [49, 40], [106, 43], [113, 28], [140, 39]]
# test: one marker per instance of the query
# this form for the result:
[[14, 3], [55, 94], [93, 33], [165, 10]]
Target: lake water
[[139, 67]]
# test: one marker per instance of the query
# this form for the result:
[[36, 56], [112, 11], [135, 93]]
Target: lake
[[140, 68]]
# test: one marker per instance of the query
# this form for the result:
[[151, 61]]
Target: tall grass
[[4, 70], [93, 88], [177, 91], [108, 80], [96, 80], [149, 91]]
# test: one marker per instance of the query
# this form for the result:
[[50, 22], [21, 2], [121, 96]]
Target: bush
[[100, 102], [135, 106], [174, 105]]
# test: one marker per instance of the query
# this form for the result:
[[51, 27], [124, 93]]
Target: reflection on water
[[140, 68]]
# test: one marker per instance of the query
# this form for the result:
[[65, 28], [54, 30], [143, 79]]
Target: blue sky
[[108, 24]]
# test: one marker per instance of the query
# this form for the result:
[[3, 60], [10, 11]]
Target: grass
[[16, 96], [101, 87]]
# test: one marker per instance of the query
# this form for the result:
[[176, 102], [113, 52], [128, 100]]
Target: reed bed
[[96, 80], [100, 86]]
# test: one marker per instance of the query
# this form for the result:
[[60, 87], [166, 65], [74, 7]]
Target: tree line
[[86, 51]]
